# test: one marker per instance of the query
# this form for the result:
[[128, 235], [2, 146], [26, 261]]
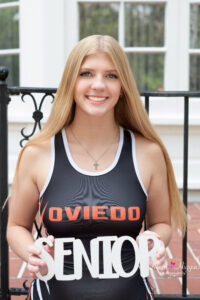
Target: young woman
[[98, 169]]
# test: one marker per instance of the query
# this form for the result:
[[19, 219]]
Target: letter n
[[80, 254]]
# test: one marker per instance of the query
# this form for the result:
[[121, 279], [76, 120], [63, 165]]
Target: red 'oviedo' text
[[114, 213]]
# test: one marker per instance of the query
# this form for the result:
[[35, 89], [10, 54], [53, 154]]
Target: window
[[139, 27], [98, 19], [144, 28], [9, 39], [194, 81]]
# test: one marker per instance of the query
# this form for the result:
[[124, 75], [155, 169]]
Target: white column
[[41, 42], [172, 32], [184, 32], [71, 25]]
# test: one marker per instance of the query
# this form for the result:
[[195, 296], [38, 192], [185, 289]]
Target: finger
[[161, 261], [48, 247], [34, 250], [151, 263], [151, 243], [158, 261], [36, 261], [162, 264], [161, 257], [162, 269], [33, 269], [161, 252], [35, 264], [51, 238], [149, 232], [33, 275]]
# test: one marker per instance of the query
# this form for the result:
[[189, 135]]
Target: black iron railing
[[5, 96]]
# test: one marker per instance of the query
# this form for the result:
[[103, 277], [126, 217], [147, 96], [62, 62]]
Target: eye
[[86, 74], [112, 76]]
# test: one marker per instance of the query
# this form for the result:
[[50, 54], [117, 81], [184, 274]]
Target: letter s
[[45, 256]]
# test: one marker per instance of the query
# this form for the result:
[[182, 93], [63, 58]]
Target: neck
[[94, 131]]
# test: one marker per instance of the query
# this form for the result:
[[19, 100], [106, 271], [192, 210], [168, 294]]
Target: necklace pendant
[[95, 164]]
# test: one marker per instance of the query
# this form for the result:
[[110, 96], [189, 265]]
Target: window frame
[[193, 51], [173, 79], [176, 62], [10, 51]]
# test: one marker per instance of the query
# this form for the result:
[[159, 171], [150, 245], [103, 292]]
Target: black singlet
[[85, 205]]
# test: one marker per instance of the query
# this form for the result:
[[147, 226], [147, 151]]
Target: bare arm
[[158, 216], [23, 206], [158, 205]]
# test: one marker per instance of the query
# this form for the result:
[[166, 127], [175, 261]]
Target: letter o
[[130, 213], [116, 256], [58, 211]]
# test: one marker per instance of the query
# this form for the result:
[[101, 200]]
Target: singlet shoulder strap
[[133, 142], [52, 162]]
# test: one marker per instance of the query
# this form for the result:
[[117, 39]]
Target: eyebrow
[[90, 69]]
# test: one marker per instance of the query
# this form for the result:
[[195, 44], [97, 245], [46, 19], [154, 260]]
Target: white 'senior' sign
[[112, 246]]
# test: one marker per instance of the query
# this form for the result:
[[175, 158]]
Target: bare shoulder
[[34, 152], [35, 157], [148, 147], [150, 158], [25, 190]]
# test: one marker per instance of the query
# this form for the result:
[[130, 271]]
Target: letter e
[[59, 254]]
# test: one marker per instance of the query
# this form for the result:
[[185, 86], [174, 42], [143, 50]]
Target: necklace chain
[[96, 161]]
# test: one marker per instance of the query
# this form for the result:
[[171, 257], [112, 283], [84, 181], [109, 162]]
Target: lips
[[97, 98]]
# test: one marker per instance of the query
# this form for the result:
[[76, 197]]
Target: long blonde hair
[[129, 111]]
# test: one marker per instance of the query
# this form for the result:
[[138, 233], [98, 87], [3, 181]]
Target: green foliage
[[195, 26], [144, 25], [9, 39], [147, 70], [12, 63], [98, 19], [7, 1], [194, 72], [9, 28]]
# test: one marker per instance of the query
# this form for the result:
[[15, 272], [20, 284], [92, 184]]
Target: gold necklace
[[96, 161]]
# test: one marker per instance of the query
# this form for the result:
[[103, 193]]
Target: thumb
[[51, 238], [49, 248]]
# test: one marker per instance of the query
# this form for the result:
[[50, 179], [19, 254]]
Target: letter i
[[86, 212]]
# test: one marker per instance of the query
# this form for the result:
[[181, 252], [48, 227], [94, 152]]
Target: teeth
[[97, 98]]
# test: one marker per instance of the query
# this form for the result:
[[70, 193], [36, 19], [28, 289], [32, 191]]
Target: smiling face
[[97, 87]]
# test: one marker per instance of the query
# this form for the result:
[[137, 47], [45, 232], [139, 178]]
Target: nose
[[98, 83]]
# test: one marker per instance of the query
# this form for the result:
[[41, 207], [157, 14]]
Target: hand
[[35, 264], [160, 262]]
